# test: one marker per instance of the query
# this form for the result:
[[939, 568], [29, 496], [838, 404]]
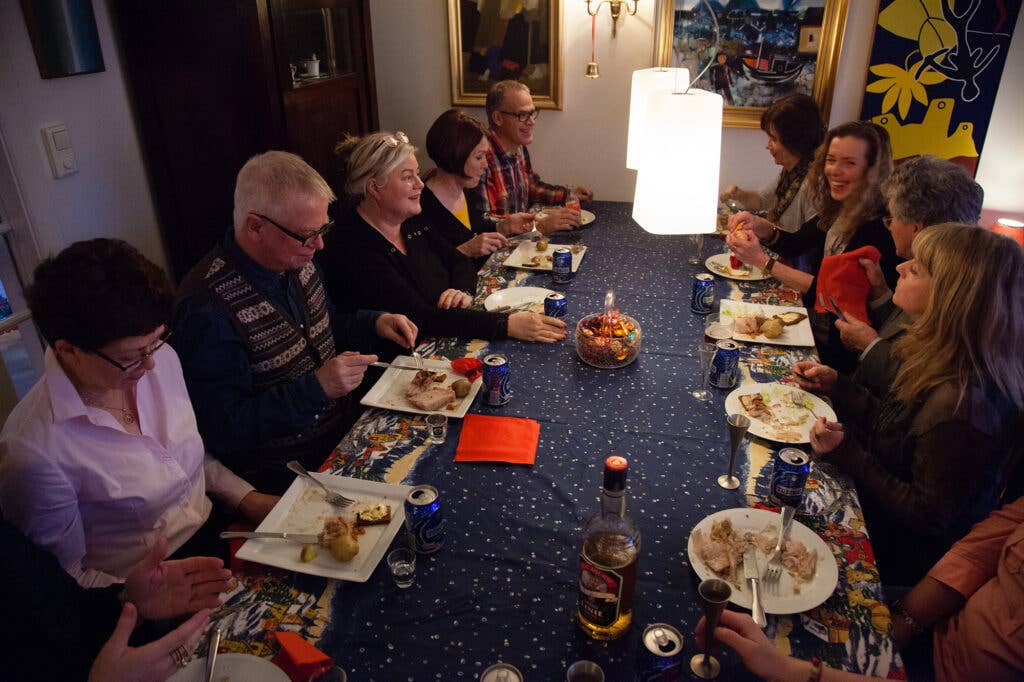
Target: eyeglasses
[[887, 221], [157, 345], [307, 240], [523, 116], [393, 140]]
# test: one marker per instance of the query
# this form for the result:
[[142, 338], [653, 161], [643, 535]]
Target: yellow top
[[463, 215]]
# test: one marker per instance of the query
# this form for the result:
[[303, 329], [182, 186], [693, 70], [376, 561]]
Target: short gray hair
[[271, 178], [930, 191], [496, 97], [371, 157]]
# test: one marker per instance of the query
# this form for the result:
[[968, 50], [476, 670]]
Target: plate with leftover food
[[515, 299], [809, 574], [232, 667], [351, 540], [722, 264], [435, 388], [778, 412], [536, 254], [586, 217], [775, 324]]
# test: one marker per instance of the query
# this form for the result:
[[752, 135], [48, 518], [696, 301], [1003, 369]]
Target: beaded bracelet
[[817, 667]]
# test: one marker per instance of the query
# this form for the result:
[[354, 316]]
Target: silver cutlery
[[753, 574], [839, 311], [386, 365], [774, 572], [211, 655], [333, 498], [304, 538], [419, 359]]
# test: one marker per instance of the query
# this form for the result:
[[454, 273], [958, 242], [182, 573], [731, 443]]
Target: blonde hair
[[972, 327], [271, 178], [846, 216], [370, 157]]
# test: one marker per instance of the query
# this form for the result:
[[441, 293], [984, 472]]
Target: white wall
[[109, 196], [586, 142]]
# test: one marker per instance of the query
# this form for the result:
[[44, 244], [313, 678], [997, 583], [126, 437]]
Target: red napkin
[[498, 439], [843, 278], [299, 659], [471, 368]]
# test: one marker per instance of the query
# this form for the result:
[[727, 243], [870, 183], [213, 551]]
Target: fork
[[419, 359], [774, 571], [333, 498]]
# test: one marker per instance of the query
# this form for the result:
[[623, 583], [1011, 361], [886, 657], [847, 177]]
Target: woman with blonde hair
[[929, 457]]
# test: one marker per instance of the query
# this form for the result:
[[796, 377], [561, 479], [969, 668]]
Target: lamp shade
[[679, 156], [1014, 229], [645, 82]]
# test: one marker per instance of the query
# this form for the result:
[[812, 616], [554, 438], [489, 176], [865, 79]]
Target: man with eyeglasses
[[260, 343], [510, 185]]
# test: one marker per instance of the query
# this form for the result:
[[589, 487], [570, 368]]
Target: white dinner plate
[[232, 667], [303, 509], [719, 265], [586, 217], [514, 297], [527, 249], [786, 600], [389, 391], [798, 334], [799, 417]]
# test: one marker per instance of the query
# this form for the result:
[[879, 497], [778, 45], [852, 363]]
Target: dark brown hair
[[451, 139], [797, 122]]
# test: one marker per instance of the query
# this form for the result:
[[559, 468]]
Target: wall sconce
[[615, 7]]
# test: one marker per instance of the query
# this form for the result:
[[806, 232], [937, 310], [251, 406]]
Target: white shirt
[[78, 485]]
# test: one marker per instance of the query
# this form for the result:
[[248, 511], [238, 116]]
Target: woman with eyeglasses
[[102, 455], [385, 256]]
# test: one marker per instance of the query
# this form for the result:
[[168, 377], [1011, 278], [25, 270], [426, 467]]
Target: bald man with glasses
[[510, 185], [268, 361]]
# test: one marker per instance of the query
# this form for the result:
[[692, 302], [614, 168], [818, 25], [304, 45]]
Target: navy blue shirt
[[232, 414]]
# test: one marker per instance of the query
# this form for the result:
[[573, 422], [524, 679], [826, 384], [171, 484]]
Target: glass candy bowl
[[608, 341]]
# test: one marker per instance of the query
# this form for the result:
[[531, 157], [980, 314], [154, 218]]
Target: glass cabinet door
[[316, 42]]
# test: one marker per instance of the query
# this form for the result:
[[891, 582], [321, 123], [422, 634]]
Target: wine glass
[[714, 593], [706, 352]]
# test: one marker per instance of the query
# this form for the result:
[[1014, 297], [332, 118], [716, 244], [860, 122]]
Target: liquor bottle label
[[600, 590]]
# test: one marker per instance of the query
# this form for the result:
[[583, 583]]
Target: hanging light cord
[[714, 53], [593, 35]]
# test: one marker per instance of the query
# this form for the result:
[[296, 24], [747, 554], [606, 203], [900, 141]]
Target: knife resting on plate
[[753, 574], [305, 538]]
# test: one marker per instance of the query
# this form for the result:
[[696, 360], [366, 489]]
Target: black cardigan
[[364, 270], [451, 228]]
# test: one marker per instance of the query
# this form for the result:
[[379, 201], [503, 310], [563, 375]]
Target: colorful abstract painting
[[933, 74]]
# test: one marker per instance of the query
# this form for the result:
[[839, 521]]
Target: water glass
[[706, 352], [584, 671], [696, 249], [402, 565], [437, 428]]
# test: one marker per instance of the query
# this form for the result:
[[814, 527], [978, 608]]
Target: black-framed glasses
[[307, 240], [523, 116], [157, 345]]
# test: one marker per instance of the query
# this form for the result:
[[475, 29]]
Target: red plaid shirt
[[511, 186]]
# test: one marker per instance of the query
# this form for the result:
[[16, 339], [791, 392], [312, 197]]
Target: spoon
[[609, 305]]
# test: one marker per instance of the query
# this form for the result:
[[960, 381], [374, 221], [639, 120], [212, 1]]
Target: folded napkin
[[300, 660], [471, 368], [498, 439], [844, 279]]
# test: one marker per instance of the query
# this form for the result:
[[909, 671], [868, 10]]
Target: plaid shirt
[[511, 186]]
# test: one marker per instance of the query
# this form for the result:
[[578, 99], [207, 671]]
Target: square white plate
[[303, 509], [798, 334], [389, 391], [527, 249]]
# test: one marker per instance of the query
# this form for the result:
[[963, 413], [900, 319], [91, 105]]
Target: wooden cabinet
[[217, 81]]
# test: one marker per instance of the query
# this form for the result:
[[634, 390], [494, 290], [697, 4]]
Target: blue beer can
[[726, 365], [423, 519], [703, 297], [660, 655], [792, 466], [497, 385], [555, 305], [561, 266]]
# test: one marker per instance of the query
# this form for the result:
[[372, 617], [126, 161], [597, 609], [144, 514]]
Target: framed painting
[[495, 40], [766, 49]]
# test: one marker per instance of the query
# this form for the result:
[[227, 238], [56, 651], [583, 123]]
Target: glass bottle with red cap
[[607, 561]]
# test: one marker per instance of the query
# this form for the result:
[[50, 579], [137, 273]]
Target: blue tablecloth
[[504, 586]]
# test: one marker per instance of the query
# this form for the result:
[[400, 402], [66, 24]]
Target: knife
[[305, 538], [386, 365], [835, 306], [753, 574], [211, 655]]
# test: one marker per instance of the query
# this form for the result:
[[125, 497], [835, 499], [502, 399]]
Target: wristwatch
[[767, 269], [899, 611]]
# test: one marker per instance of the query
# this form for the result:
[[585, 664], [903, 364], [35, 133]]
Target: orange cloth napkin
[[498, 439], [843, 278], [471, 368], [299, 659]]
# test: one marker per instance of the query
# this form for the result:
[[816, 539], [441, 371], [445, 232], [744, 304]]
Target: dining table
[[504, 585]]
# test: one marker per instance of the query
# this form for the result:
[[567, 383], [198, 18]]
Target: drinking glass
[[706, 352], [584, 671], [714, 593], [402, 565], [437, 428], [696, 249], [738, 425], [718, 329]]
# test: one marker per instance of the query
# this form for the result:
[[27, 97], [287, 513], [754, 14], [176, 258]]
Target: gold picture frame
[[488, 47], [828, 47]]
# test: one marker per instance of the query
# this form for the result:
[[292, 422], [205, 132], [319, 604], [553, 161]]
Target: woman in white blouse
[[102, 455]]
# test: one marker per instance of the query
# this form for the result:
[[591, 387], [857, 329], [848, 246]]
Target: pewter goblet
[[714, 594], [738, 425]]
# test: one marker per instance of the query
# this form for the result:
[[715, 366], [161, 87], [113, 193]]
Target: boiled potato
[[343, 547], [308, 553], [461, 388], [772, 328]]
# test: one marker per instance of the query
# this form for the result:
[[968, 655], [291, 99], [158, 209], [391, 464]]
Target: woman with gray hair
[[386, 257]]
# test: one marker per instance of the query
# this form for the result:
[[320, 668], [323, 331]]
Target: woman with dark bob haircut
[[457, 144], [102, 455], [795, 130]]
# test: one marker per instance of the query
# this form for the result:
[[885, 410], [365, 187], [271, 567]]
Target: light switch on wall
[[57, 142]]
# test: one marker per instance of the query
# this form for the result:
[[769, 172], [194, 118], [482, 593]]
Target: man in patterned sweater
[[260, 343]]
